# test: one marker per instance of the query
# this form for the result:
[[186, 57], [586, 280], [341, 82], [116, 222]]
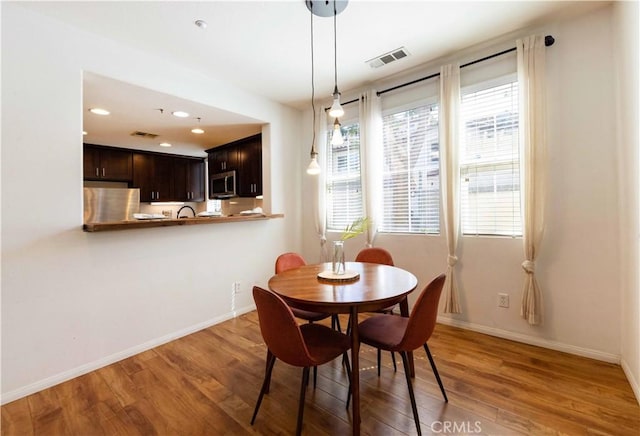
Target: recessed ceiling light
[[165, 144], [99, 111], [180, 114], [197, 131]]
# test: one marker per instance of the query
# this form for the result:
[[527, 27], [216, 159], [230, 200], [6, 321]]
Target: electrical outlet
[[503, 300], [236, 287]]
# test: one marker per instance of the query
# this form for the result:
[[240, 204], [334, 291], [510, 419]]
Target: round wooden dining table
[[375, 287]]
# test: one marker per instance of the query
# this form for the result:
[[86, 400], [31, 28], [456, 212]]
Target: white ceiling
[[136, 109], [264, 46]]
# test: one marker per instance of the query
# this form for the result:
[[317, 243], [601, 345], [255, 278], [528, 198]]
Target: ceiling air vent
[[144, 135], [387, 58]]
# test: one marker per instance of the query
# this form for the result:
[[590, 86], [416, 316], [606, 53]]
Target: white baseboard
[[531, 340], [631, 378], [108, 360]]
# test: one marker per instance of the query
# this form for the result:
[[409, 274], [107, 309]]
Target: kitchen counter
[[143, 224]]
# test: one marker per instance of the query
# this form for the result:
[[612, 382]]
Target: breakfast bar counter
[[167, 222]]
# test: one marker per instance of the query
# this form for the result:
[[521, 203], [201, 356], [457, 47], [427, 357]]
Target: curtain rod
[[548, 42]]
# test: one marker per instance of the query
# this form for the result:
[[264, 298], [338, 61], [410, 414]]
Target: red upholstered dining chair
[[383, 257], [289, 261], [401, 334], [303, 345]]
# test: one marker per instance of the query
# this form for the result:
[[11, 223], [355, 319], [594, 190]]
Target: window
[[489, 162], [344, 190], [411, 172]]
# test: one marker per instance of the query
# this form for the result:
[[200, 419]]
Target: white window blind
[[344, 189], [489, 162], [411, 172]]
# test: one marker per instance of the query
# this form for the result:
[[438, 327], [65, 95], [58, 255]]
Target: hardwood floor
[[207, 383]]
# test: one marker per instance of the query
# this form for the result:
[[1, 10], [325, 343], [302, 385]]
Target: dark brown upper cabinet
[[245, 157], [222, 159], [250, 167], [188, 179], [163, 177], [153, 175], [107, 164]]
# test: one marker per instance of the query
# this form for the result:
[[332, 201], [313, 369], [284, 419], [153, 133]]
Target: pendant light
[[336, 110], [337, 138], [313, 168]]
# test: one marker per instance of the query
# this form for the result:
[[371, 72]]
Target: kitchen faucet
[[178, 214]]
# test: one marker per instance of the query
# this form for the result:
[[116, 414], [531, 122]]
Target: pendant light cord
[[313, 94], [335, 48]]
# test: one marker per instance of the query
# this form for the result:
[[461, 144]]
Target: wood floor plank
[[16, 418], [208, 383]]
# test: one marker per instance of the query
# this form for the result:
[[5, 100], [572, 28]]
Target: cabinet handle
[[157, 195], [152, 195], [97, 172], [104, 173]]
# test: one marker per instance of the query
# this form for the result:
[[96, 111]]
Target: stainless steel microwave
[[222, 185]]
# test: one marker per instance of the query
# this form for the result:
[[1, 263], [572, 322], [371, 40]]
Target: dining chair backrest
[[289, 261], [279, 329], [423, 316], [375, 255]]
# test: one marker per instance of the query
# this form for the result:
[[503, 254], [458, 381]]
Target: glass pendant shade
[[313, 168], [337, 138]]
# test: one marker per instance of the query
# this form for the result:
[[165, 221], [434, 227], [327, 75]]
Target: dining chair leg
[[407, 373], [269, 363], [435, 372], [315, 376], [393, 359], [335, 323], [303, 390], [345, 360], [271, 360], [348, 333]]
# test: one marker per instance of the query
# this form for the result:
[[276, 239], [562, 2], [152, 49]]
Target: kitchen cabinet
[[107, 163], [188, 179], [153, 175], [245, 157], [222, 159], [250, 167]]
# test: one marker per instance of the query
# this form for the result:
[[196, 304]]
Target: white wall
[[626, 17], [578, 267], [73, 301]]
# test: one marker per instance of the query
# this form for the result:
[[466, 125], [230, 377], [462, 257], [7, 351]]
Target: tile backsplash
[[232, 206]]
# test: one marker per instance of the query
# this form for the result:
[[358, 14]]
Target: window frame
[[329, 129], [469, 89], [406, 106]]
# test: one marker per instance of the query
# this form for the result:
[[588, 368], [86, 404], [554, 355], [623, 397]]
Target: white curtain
[[450, 175], [371, 158], [531, 82], [318, 185]]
